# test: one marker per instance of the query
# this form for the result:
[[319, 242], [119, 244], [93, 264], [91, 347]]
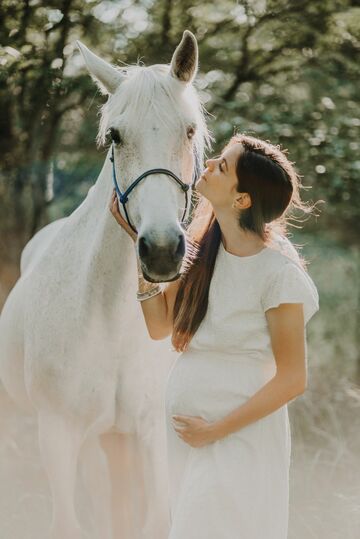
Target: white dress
[[236, 487]]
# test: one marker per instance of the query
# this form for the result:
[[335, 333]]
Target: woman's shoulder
[[278, 262], [284, 264], [277, 253], [284, 251], [280, 265]]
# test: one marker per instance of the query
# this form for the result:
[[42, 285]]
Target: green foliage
[[283, 70]]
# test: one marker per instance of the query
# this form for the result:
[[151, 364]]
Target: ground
[[324, 486]]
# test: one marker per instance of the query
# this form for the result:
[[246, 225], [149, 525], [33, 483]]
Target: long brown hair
[[264, 171]]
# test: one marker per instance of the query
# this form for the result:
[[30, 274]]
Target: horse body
[[38, 244], [72, 338]]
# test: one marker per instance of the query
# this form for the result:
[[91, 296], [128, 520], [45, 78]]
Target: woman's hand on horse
[[114, 208]]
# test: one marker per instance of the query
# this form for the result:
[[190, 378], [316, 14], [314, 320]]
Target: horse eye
[[190, 132], [114, 135]]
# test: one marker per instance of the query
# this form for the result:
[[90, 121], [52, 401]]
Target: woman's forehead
[[233, 153]]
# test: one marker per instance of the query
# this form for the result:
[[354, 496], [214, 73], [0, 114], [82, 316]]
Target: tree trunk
[[357, 315]]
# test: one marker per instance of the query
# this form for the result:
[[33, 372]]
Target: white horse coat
[[73, 343]]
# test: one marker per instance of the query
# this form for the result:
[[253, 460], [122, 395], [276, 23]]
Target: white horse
[[73, 343]]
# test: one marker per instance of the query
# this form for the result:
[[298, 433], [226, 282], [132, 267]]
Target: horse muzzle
[[161, 263]]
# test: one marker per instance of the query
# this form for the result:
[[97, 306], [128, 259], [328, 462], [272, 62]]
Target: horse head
[[155, 120]]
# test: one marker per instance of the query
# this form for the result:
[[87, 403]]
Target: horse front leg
[[156, 485], [127, 502], [60, 443], [95, 475]]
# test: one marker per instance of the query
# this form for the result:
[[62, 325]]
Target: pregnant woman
[[237, 314]]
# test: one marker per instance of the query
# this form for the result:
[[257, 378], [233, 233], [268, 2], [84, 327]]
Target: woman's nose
[[209, 163]]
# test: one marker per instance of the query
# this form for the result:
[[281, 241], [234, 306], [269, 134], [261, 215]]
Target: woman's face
[[218, 182]]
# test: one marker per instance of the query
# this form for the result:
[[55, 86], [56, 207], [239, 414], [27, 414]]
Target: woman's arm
[[157, 309], [286, 326]]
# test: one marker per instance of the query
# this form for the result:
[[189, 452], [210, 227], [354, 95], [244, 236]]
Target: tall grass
[[325, 421]]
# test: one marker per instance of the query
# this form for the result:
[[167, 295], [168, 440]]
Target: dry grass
[[325, 421]]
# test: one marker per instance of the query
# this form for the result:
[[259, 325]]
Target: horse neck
[[108, 252], [98, 198]]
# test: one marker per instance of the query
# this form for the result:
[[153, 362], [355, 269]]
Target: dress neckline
[[249, 257]]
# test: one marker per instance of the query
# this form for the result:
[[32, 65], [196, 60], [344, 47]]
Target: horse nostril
[[180, 249], [143, 247]]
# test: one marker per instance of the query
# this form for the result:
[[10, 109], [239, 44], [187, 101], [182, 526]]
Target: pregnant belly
[[211, 384]]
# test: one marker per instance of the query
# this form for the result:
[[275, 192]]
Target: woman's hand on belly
[[194, 430]]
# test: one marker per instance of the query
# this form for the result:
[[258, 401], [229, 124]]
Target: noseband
[[124, 197]]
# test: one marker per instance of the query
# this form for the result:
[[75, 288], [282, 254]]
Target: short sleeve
[[291, 284]]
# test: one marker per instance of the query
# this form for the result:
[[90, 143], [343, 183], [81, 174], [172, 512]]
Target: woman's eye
[[114, 135], [220, 167]]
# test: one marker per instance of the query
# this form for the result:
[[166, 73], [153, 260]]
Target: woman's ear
[[242, 201]]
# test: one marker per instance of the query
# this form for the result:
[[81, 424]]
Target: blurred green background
[[286, 71]]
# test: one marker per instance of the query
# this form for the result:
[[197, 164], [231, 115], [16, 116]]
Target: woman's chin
[[199, 185]]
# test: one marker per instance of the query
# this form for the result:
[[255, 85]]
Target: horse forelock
[[151, 88]]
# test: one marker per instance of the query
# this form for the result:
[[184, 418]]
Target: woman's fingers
[[114, 208]]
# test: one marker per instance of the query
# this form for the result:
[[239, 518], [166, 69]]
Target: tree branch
[[243, 72], [166, 24]]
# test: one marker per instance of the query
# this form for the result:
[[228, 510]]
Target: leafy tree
[[38, 88], [284, 70]]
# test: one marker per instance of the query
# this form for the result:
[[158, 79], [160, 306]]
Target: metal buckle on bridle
[[124, 197]]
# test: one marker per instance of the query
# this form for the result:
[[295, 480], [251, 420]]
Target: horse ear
[[105, 75], [184, 63]]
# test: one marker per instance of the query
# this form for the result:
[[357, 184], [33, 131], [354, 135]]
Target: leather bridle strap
[[124, 197]]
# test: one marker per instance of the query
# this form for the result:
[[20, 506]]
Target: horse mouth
[[159, 279]]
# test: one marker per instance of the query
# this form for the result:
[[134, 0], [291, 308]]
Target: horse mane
[[152, 88]]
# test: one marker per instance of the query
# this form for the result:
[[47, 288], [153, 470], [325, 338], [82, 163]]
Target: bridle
[[123, 197]]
